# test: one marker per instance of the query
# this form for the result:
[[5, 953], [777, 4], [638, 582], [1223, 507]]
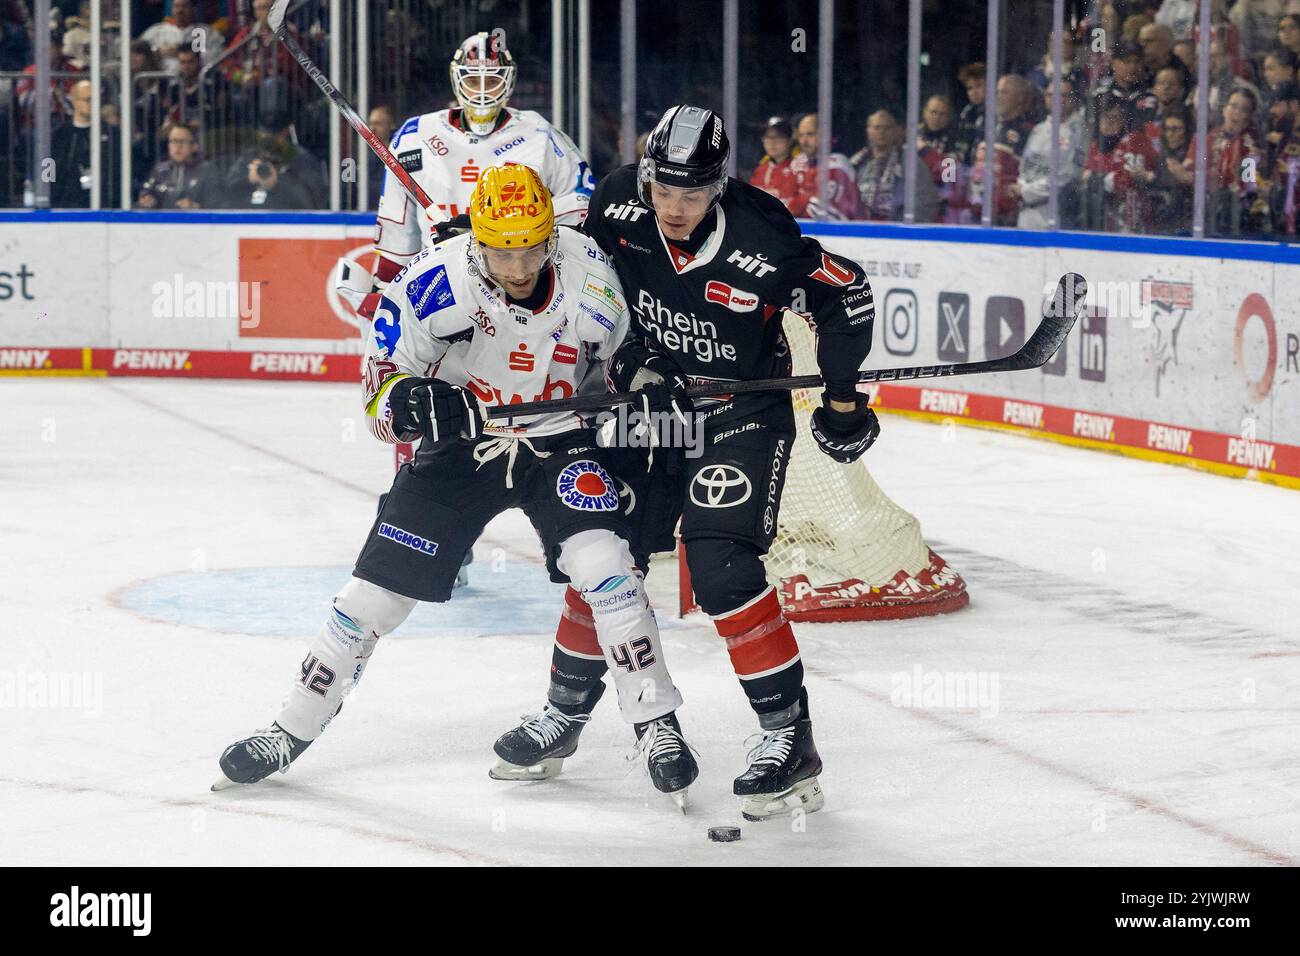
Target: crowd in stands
[[1127, 144], [221, 116]]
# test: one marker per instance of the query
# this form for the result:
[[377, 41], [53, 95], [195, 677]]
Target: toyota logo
[[720, 486]]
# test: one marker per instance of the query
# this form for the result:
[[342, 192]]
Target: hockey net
[[843, 550]]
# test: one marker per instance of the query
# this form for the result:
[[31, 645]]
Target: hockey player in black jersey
[[710, 266]]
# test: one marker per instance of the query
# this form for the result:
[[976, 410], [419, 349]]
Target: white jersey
[[440, 318], [446, 160]]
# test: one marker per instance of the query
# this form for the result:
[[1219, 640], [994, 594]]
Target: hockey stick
[[275, 20], [1059, 316]]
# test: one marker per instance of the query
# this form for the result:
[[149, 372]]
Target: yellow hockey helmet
[[510, 208]]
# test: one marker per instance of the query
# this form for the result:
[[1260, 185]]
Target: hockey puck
[[724, 834]]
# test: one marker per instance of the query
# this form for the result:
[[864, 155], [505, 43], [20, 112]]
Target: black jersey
[[716, 309]]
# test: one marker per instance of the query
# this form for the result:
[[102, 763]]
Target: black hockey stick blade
[[1060, 312], [1059, 315]]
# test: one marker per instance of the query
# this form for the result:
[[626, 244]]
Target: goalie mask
[[482, 77]]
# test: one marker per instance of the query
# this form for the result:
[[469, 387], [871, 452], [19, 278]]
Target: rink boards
[[1188, 352]]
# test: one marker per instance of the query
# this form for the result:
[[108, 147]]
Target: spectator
[[1124, 84], [936, 130], [1279, 69], [1256, 22], [191, 97], [1288, 33], [1179, 16], [878, 172], [147, 94], [1032, 187], [842, 190], [275, 173], [182, 30], [383, 121], [1119, 165], [970, 122], [1041, 75], [183, 180], [70, 151], [1013, 105], [15, 43], [60, 87], [1284, 191], [1006, 168], [1169, 194], [1281, 115], [1185, 51], [260, 72], [1167, 94], [1132, 28], [1223, 80], [1157, 43], [1232, 190], [774, 173]]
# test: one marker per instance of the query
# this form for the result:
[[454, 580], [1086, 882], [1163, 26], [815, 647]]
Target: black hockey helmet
[[689, 148]]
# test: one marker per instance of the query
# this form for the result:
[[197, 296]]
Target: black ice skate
[[783, 769], [668, 757], [257, 757], [535, 750]]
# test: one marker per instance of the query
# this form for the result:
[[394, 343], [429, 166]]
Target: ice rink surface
[[168, 549]]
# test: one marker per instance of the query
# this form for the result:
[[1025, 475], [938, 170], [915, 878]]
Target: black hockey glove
[[660, 383], [433, 408], [845, 435], [449, 228]]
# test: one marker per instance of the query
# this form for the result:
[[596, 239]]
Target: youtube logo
[[1004, 326]]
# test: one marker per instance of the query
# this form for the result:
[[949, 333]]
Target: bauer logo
[[585, 486], [954, 327], [901, 322], [405, 538]]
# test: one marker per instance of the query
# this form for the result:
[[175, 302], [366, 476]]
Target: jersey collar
[[683, 262]]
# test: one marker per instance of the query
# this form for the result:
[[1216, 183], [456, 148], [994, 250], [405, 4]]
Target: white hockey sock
[[599, 563], [362, 613]]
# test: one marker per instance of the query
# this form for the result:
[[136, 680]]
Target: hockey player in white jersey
[[530, 312], [445, 151]]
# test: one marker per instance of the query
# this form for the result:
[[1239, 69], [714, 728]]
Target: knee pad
[[725, 574], [373, 609], [592, 558]]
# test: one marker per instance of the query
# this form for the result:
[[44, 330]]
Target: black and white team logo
[[720, 486]]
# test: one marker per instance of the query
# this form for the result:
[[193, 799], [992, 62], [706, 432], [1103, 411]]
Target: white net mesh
[[835, 522]]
